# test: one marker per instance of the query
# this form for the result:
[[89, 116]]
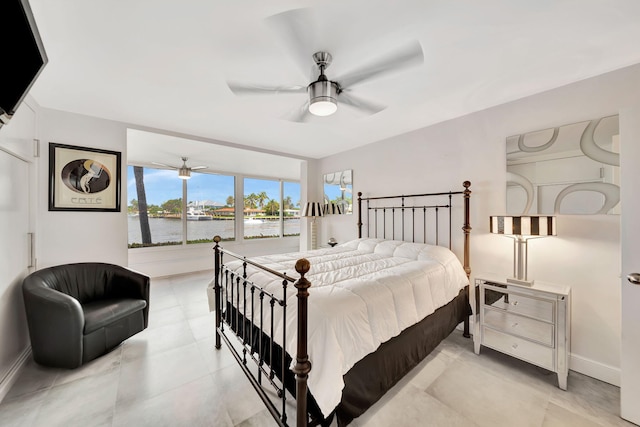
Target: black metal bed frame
[[232, 287], [233, 284]]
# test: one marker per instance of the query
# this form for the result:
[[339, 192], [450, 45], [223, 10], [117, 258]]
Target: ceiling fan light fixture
[[184, 173], [323, 98]]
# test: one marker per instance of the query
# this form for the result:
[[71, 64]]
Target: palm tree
[[287, 203], [250, 201], [261, 198], [272, 207], [145, 230], [230, 201]]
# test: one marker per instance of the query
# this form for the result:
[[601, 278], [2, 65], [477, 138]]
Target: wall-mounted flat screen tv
[[22, 55]]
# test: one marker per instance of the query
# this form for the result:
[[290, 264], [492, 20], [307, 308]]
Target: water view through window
[[157, 215], [210, 207], [263, 213]]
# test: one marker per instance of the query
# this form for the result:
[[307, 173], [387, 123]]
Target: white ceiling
[[164, 64], [144, 147]]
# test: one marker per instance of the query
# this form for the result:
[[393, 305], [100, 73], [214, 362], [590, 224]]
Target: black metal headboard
[[384, 219]]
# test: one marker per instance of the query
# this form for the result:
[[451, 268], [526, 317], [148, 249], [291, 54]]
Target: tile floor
[[170, 375]]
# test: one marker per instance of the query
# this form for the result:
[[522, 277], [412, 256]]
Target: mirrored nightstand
[[531, 323]]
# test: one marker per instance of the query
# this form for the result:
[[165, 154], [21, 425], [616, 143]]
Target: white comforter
[[362, 293]]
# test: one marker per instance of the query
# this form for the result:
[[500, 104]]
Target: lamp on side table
[[520, 229], [313, 210]]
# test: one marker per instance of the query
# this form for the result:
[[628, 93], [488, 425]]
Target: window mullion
[[281, 208], [184, 212]]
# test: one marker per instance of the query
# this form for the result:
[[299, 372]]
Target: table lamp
[[313, 210], [521, 229]]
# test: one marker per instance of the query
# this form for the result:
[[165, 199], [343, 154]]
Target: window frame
[[239, 236]]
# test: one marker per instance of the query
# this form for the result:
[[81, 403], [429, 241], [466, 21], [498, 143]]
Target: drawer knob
[[514, 346], [515, 302], [514, 325]]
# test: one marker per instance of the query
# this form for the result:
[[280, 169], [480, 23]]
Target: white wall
[[586, 252], [17, 200], [65, 237], [171, 260]]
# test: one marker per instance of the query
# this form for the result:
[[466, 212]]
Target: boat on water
[[197, 215], [253, 220]]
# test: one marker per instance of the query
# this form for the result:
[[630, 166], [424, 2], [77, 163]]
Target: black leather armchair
[[78, 312]]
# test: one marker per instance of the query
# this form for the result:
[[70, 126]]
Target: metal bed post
[[303, 365], [216, 275], [466, 228], [360, 214]]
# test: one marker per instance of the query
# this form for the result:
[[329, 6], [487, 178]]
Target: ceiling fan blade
[[359, 103], [404, 57], [296, 29], [195, 168], [252, 89], [300, 114], [163, 165]]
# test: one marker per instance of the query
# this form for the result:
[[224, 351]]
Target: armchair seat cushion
[[101, 313]]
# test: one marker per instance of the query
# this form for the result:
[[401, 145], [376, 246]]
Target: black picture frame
[[84, 179]]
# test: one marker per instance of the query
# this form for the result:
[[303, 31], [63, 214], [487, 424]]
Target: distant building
[[232, 211], [225, 212], [253, 212]]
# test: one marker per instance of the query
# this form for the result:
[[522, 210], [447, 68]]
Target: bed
[[361, 315]]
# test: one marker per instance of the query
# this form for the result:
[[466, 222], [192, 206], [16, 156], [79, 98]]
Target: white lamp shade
[[312, 209]]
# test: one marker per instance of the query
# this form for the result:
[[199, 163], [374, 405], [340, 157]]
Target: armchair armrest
[[55, 322], [125, 282]]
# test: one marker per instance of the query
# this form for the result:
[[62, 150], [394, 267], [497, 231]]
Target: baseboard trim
[[597, 370], [14, 372]]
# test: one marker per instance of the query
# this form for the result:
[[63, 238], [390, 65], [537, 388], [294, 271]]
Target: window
[[271, 208], [261, 208], [210, 207], [160, 223]]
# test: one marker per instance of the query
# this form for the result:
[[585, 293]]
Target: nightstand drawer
[[525, 327], [537, 354], [510, 301]]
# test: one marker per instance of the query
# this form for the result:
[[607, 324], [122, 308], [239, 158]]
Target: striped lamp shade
[[332, 209], [312, 209], [523, 225]]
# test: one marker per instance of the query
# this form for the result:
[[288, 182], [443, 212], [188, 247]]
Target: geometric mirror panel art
[[572, 169], [338, 189]]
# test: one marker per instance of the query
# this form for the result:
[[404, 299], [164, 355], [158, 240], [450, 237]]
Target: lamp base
[[520, 282]]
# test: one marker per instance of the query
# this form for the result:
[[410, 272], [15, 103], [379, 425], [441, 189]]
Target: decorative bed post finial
[[216, 287], [303, 365]]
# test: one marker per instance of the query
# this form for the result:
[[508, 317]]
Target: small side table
[[531, 323]]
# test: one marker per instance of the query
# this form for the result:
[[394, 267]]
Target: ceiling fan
[[324, 93], [184, 172]]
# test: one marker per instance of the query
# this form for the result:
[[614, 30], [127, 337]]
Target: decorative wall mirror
[[571, 169], [338, 189]]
